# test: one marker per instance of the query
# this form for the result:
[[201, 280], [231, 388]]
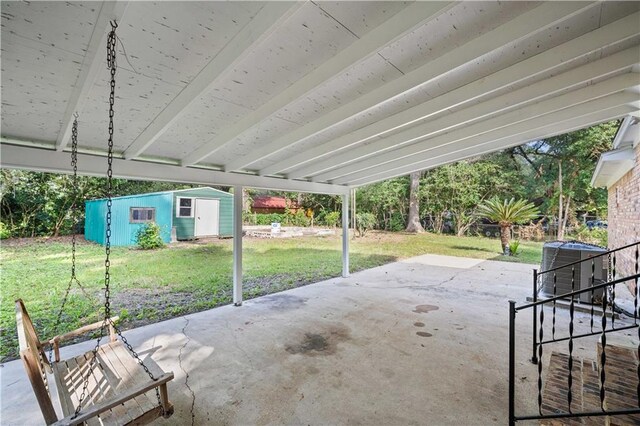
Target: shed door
[[207, 216]]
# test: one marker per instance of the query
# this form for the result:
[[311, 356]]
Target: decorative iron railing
[[540, 306]]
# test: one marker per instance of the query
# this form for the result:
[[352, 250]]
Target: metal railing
[[607, 306]]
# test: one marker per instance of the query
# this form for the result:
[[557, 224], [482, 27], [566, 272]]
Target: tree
[[454, 191], [39, 204], [557, 171], [388, 201], [507, 213], [413, 219]]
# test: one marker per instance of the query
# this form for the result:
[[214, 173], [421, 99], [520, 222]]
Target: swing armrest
[[95, 410], [55, 342]]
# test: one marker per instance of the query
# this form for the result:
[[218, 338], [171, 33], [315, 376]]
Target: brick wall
[[624, 217]]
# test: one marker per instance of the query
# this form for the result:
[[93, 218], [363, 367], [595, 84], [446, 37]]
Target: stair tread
[[621, 386]]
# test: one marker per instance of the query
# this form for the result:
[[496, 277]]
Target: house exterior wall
[[624, 218], [123, 233], [185, 226]]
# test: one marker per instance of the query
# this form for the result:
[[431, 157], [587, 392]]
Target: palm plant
[[507, 213]]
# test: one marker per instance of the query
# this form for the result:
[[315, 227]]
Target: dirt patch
[[64, 239], [323, 342], [202, 241], [137, 300], [260, 286]]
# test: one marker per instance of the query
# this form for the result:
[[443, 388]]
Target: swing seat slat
[[118, 390]]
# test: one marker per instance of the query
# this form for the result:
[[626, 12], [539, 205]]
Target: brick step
[[621, 386]]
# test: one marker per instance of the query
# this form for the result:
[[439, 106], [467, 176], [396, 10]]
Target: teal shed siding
[[95, 212], [123, 233], [185, 226]]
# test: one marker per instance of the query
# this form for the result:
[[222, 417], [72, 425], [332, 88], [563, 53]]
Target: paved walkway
[[422, 341]]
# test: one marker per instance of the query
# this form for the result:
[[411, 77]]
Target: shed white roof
[[310, 96]]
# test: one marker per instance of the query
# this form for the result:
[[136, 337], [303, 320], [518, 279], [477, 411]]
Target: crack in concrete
[[414, 287], [237, 345], [453, 277], [186, 375], [410, 287]]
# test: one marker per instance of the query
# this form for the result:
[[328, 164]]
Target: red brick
[[624, 219]]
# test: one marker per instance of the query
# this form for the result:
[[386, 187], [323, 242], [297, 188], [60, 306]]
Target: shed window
[[142, 214], [185, 207]]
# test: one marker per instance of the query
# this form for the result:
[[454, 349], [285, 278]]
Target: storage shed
[[193, 213]]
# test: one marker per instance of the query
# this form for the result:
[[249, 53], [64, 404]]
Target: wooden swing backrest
[[35, 361], [120, 391]]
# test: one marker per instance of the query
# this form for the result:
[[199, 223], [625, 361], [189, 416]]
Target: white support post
[[353, 209], [345, 235], [237, 245]]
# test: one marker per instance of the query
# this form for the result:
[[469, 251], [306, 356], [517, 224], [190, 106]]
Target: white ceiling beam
[[92, 63], [503, 103], [493, 146], [543, 62], [507, 121], [439, 145], [392, 29], [524, 25], [43, 160], [270, 18]]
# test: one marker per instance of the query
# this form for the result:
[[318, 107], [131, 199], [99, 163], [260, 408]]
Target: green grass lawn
[[148, 286]]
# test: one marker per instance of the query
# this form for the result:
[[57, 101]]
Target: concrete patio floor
[[421, 341]]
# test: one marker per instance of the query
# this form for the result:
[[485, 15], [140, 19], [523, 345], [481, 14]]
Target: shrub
[[397, 222], [5, 232], [289, 219], [364, 222], [513, 247], [597, 236], [332, 219], [148, 236], [248, 218], [268, 218], [297, 219]]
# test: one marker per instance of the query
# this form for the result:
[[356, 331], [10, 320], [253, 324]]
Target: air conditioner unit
[[556, 254]]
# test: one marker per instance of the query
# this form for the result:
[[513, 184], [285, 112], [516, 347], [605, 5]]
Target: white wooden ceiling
[[317, 96]]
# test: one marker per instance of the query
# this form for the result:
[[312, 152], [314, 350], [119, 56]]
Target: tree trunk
[[566, 214], [560, 209], [505, 236], [413, 221], [246, 200]]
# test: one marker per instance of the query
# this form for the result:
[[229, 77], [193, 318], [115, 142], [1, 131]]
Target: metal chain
[[74, 219], [74, 211], [112, 65]]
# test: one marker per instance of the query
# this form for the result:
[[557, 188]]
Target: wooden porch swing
[[110, 384]]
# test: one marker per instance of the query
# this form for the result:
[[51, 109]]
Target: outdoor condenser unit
[[558, 253]]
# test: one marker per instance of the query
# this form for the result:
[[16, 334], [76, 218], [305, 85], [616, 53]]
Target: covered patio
[[324, 98], [420, 341], [305, 96]]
